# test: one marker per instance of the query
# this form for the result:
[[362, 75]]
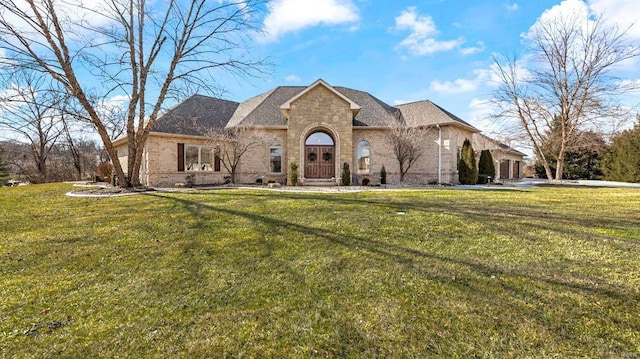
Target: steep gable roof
[[194, 114], [353, 106], [427, 113], [264, 110]]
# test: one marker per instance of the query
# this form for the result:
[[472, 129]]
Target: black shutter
[[216, 163], [180, 157]]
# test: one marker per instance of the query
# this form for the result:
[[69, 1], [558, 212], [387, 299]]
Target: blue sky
[[402, 51], [405, 50]]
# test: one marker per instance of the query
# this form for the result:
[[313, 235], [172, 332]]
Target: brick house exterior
[[318, 127]]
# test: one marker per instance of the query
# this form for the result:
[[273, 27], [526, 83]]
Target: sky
[[402, 51], [406, 50]]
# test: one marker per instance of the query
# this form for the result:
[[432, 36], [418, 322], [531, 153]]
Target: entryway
[[319, 156]]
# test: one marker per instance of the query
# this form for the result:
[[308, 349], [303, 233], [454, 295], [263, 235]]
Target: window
[[191, 157], [364, 157], [275, 158], [319, 139], [200, 158]]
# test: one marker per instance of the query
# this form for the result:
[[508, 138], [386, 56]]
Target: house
[[317, 127]]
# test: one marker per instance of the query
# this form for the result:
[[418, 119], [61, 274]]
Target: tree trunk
[[560, 167], [561, 156], [543, 159]]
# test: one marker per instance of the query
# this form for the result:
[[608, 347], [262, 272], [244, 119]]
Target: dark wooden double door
[[319, 161]]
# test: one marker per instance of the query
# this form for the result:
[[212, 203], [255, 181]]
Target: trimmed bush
[[346, 174], [383, 175], [190, 180], [483, 179], [486, 167], [293, 174], [467, 168]]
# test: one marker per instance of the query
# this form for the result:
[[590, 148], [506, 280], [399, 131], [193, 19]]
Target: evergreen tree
[[622, 160], [583, 155], [486, 168], [467, 168], [4, 170]]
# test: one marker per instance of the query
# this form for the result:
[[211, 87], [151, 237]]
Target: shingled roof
[[488, 142], [195, 114], [427, 113], [266, 112], [198, 112], [373, 111]]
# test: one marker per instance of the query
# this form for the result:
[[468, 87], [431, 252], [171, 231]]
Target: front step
[[319, 182]]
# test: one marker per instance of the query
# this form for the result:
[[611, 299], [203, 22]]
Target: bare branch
[[145, 51]]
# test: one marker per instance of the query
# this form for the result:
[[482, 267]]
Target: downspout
[[146, 168], [439, 154]]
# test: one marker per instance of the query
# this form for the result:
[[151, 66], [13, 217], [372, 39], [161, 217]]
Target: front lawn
[[536, 272]]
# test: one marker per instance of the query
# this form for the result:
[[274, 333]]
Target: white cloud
[[422, 39], [69, 13], [625, 13], [480, 117], [512, 7], [462, 85], [473, 49], [293, 15], [12, 90], [566, 9], [455, 86], [632, 85], [109, 106], [292, 78]]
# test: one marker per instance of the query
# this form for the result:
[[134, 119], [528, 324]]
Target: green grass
[[239, 273]]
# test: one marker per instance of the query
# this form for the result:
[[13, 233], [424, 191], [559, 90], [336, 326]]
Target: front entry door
[[319, 162]]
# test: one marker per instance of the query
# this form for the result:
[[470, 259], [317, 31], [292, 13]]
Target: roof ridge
[[453, 116], [415, 102], [264, 96]]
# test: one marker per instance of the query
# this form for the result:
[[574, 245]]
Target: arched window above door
[[319, 139]]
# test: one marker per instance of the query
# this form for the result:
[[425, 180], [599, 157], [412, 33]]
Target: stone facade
[[319, 110]]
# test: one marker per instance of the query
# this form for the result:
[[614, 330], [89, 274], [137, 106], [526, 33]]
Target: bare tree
[[406, 142], [145, 51], [569, 83], [29, 109], [232, 143]]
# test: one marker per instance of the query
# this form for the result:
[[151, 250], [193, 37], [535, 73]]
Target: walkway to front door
[[319, 156]]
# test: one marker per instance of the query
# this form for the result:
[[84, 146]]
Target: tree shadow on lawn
[[498, 287], [538, 216], [410, 258]]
